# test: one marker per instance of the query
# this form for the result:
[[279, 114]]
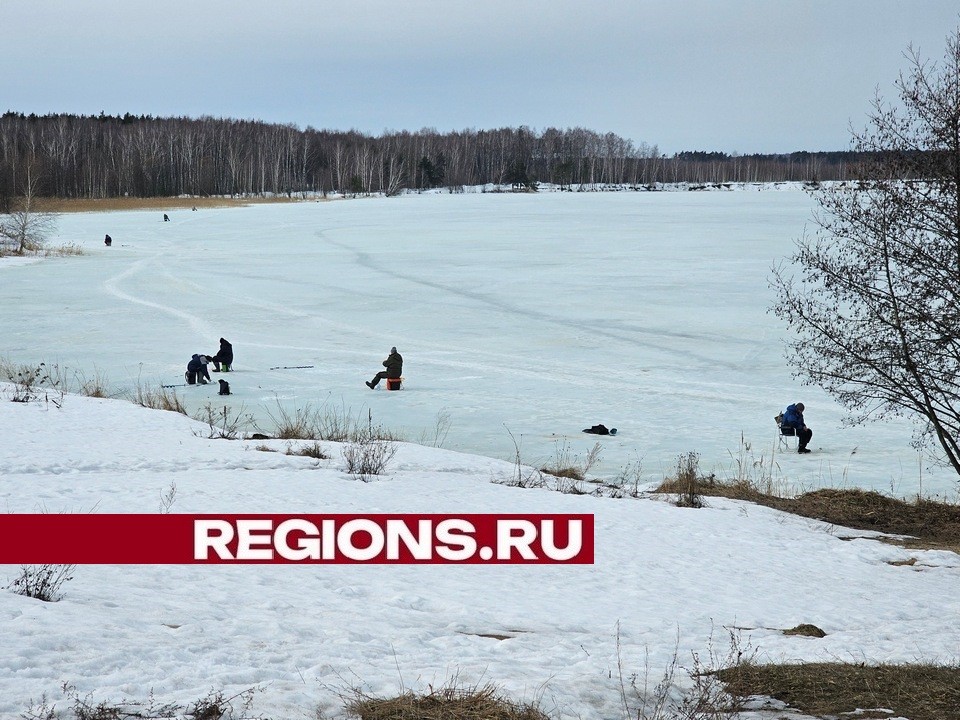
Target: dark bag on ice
[[598, 430]]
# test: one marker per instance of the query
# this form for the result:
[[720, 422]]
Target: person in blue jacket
[[793, 418], [197, 370]]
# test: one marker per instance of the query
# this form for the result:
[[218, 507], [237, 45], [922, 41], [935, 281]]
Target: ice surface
[[536, 315]]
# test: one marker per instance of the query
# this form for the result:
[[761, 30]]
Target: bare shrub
[[524, 476], [25, 227], [34, 382], [26, 383], [628, 479], [329, 422], [702, 697], [438, 434], [533, 478], [688, 470], [224, 423], [369, 451], [302, 424], [336, 424], [216, 705], [168, 498], [565, 464], [95, 386], [43, 582], [312, 450]]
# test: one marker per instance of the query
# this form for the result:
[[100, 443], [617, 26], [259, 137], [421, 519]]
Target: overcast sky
[[731, 75]]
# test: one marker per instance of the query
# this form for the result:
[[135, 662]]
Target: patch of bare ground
[[930, 524], [805, 630], [77, 205], [918, 692]]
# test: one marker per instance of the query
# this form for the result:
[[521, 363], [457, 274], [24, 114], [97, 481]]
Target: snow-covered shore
[[663, 575]]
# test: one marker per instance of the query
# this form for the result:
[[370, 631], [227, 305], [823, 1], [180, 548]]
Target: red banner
[[174, 539]]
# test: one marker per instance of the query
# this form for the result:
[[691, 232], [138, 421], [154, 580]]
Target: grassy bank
[[61, 205]]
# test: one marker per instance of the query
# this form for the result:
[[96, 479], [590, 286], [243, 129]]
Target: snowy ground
[[669, 578], [531, 315]]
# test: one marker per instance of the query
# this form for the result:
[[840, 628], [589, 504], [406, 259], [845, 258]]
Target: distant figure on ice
[[165, 218], [223, 357], [394, 368], [792, 423], [197, 370], [600, 430], [107, 240]]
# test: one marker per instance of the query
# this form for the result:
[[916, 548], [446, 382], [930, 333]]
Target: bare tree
[[876, 306], [25, 228]]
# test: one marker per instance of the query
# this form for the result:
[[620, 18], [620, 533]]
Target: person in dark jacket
[[223, 357], [792, 420], [394, 368], [197, 370]]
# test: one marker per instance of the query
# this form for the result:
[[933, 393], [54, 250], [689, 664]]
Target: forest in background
[[76, 156]]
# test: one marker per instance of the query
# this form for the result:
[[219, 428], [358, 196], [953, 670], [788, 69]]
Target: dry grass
[[570, 473], [326, 423], [930, 524], [448, 703], [95, 386], [76, 205], [918, 692], [311, 450], [806, 630], [566, 464], [304, 423], [933, 524], [65, 250], [688, 484], [216, 705], [159, 399]]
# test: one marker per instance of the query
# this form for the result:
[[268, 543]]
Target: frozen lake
[[536, 315]]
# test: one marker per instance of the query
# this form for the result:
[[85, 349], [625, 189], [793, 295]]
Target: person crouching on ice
[[394, 369], [197, 370]]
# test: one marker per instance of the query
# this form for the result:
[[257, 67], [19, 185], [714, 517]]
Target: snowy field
[[669, 578], [540, 315], [531, 315]]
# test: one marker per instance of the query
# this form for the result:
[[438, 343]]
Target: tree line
[[77, 156]]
